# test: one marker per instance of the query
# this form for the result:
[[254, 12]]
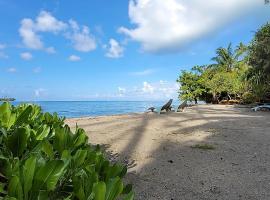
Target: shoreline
[[164, 156], [149, 112]]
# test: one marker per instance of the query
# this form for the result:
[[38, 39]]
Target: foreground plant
[[41, 158]]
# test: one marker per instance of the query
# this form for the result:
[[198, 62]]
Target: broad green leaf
[[99, 189], [114, 187], [42, 132], [47, 148], [130, 196], [17, 142], [79, 157], [7, 118], [24, 115], [78, 187], [48, 175], [62, 139], [28, 174], [116, 170], [15, 188], [79, 138]]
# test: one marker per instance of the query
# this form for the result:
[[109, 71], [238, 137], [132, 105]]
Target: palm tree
[[225, 58]]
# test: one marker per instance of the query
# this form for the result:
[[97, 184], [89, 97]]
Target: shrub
[[41, 158], [248, 98]]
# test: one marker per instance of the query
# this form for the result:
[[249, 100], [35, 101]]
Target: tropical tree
[[259, 58], [225, 58], [190, 86]]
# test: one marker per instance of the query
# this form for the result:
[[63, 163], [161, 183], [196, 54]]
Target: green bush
[[40, 158], [248, 98]]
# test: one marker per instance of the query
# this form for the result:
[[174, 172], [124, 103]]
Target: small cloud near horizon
[[74, 58]]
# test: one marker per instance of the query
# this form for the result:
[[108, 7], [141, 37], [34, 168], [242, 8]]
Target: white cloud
[[143, 73], [74, 58], [30, 31], [160, 90], [45, 22], [40, 92], [3, 55], [12, 70], [37, 70], [152, 91], [28, 34], [148, 88], [115, 50], [121, 91], [26, 56], [169, 25], [81, 38]]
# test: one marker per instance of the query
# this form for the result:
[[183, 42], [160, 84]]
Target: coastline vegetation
[[7, 99], [237, 75], [41, 158]]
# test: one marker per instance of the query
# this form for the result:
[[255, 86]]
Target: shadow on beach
[[162, 164]]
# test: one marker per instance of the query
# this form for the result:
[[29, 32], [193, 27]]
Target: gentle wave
[[72, 109]]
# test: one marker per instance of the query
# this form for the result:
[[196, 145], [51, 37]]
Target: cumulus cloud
[[45, 22], [26, 56], [31, 30], [29, 36], [74, 58], [171, 24], [114, 50], [12, 70], [81, 38]]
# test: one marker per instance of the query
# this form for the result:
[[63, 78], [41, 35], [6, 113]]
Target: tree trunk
[[196, 101], [215, 98]]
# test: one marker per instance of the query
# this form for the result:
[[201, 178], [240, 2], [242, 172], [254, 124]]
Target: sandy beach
[[164, 163]]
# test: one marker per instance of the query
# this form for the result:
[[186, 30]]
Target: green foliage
[[248, 97], [41, 158], [191, 87], [242, 73], [260, 49]]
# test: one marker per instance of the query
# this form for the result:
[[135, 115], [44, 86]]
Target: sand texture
[[163, 163]]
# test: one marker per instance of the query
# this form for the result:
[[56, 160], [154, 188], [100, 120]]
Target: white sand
[[162, 164]]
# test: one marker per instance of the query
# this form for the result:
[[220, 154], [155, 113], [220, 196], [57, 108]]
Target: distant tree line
[[240, 74]]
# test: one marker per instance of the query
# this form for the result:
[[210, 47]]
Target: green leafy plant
[[41, 158]]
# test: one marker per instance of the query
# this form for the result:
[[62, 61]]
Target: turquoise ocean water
[[72, 109]]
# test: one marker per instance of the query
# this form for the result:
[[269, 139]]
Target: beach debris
[[203, 146]]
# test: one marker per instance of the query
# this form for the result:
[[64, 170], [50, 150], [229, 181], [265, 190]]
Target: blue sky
[[114, 50]]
